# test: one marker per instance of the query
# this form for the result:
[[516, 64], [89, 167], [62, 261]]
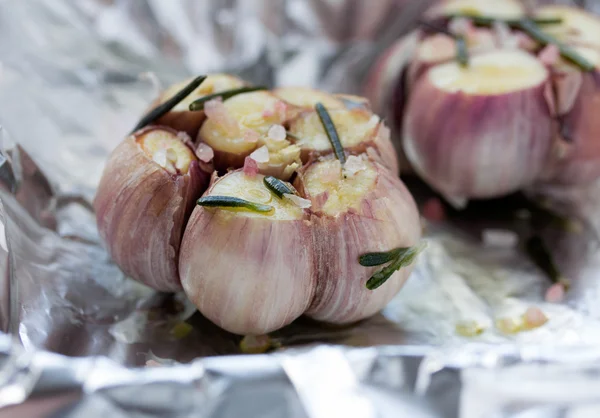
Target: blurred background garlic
[[510, 109]]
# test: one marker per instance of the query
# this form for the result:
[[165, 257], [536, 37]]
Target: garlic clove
[[578, 27], [180, 117], [578, 98], [248, 272], [145, 196], [358, 130], [245, 123], [364, 211], [481, 131]]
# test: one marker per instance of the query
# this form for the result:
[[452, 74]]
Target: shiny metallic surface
[[83, 340]]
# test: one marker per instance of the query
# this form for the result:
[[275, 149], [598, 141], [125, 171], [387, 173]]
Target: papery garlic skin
[[243, 126], [484, 131], [576, 159], [147, 191], [358, 130], [367, 209], [180, 117], [249, 273]]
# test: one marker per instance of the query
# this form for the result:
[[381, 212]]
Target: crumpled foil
[[83, 340]]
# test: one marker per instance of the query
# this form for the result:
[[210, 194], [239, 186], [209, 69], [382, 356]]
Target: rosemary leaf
[[165, 107], [513, 23], [566, 52], [234, 203], [462, 51], [198, 105], [377, 259], [332, 133], [277, 187], [403, 260]]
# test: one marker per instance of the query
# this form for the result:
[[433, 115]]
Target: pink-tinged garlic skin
[[180, 117], [371, 210], [142, 208], [481, 132], [248, 273], [359, 130], [577, 159]]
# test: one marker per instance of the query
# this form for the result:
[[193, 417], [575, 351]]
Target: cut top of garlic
[[254, 113], [504, 9], [167, 150], [497, 72], [344, 188], [353, 126], [307, 98], [252, 189], [577, 25], [214, 83]]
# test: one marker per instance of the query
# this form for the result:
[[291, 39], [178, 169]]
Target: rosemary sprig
[[165, 107], [234, 203], [462, 51], [403, 259], [198, 105], [331, 132], [277, 187], [566, 52], [377, 259], [513, 23]]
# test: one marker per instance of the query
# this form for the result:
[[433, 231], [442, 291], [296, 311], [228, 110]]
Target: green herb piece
[[566, 52], [377, 259], [403, 260], [277, 187], [462, 50], [513, 23], [234, 203], [331, 132], [165, 107], [538, 253], [198, 105]]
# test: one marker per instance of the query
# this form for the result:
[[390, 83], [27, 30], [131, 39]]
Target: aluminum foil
[[83, 340]]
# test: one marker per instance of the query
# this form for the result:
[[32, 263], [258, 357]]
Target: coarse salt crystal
[[500, 238], [261, 155], [277, 133], [204, 152]]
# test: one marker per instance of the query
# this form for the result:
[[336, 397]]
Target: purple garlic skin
[[577, 160], [381, 217], [480, 144], [249, 273], [142, 206]]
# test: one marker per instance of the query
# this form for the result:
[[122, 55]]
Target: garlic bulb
[[248, 272], [355, 211], [146, 193], [481, 131], [180, 117], [240, 125], [577, 159]]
